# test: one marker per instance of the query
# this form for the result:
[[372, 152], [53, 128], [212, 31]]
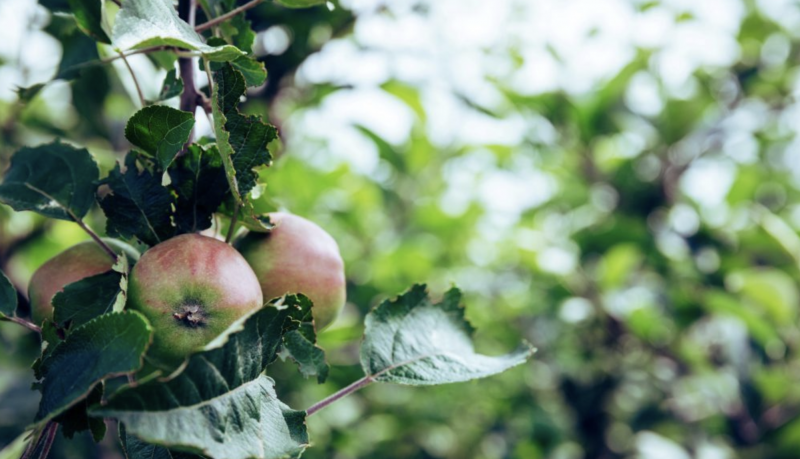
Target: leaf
[[299, 343], [138, 205], [110, 345], [172, 86], [410, 340], [55, 180], [133, 448], [160, 131], [199, 181], [253, 71], [224, 404], [88, 298], [89, 16], [79, 50], [8, 297], [146, 23], [242, 140], [300, 3], [75, 419]]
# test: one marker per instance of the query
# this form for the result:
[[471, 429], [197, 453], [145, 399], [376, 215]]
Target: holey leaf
[[145, 23], [219, 404], [198, 179], [160, 132], [110, 345], [242, 140], [8, 297], [410, 340], [55, 180]]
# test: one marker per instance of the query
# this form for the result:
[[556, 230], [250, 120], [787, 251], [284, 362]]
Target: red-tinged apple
[[298, 257], [190, 288]]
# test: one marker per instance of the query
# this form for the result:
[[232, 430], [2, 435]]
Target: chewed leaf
[[199, 182], [145, 23], [160, 131], [55, 180], [410, 340]]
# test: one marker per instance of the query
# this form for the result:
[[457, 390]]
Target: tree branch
[[220, 19], [190, 95]]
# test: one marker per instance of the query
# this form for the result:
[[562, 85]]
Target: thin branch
[[220, 19], [135, 81], [187, 10], [232, 228], [41, 443], [29, 325], [94, 236], [365, 381], [151, 49]]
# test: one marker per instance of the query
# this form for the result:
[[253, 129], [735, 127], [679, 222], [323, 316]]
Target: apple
[[190, 288], [298, 256], [77, 262]]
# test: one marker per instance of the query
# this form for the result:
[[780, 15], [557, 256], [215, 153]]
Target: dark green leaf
[[89, 16], [75, 419], [110, 345], [51, 338], [88, 298], [225, 405], [138, 205], [160, 131], [79, 49], [8, 297], [299, 342], [145, 23], [27, 94], [55, 180], [242, 140], [253, 71], [199, 181], [301, 3], [410, 340], [133, 448], [172, 86]]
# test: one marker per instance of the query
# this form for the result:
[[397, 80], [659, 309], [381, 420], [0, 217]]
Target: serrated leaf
[[160, 131], [89, 16], [300, 342], [88, 298], [75, 419], [55, 180], [8, 297], [51, 338], [242, 140], [227, 408], [171, 87], [410, 340], [138, 206], [110, 345], [199, 181], [253, 71], [133, 448], [145, 23]]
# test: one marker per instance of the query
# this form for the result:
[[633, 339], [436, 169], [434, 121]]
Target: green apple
[[77, 262], [298, 257], [190, 288]]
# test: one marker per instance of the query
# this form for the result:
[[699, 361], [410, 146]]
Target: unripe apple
[[190, 288], [298, 257], [77, 262]]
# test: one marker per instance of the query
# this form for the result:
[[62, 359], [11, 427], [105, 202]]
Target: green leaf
[[146, 23], [300, 3], [172, 86], [224, 404], [89, 16], [76, 420], [410, 340], [242, 140], [79, 50], [299, 342], [110, 345], [133, 448], [138, 205], [51, 338], [160, 131], [8, 297], [199, 181], [88, 298], [55, 180], [253, 71]]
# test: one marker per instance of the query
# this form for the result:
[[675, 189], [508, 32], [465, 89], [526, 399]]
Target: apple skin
[[298, 257], [190, 288], [77, 262]]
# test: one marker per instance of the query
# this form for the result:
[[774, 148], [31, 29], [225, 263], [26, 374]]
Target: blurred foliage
[[639, 228]]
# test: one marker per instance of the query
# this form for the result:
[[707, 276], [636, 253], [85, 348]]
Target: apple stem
[[94, 236], [365, 381]]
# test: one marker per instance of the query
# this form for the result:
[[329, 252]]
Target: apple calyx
[[190, 315]]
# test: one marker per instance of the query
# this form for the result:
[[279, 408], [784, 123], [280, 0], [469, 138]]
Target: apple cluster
[[192, 287]]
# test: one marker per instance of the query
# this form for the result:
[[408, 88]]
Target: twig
[[94, 236], [220, 19], [232, 228], [29, 325], [135, 81], [365, 381]]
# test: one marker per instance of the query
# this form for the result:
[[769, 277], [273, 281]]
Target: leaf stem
[[29, 325], [40, 445], [94, 236], [135, 81], [232, 228], [363, 382], [222, 18]]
